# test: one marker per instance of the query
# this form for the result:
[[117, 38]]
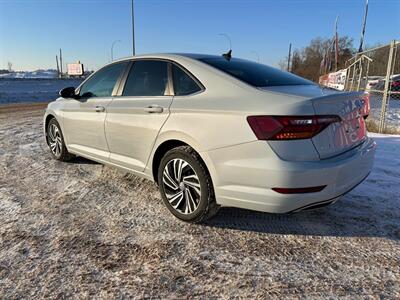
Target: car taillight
[[289, 127], [395, 83]]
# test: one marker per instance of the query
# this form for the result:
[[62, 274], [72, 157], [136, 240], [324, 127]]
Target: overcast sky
[[32, 31]]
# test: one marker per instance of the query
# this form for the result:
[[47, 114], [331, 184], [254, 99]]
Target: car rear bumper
[[245, 174]]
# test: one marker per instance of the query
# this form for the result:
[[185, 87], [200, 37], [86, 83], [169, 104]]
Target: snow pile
[[38, 74]]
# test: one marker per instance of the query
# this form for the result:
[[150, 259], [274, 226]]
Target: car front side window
[[102, 83]]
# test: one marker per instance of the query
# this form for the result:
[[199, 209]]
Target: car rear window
[[255, 74]]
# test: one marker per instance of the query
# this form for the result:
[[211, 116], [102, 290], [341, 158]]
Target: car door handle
[[99, 108], [153, 109]]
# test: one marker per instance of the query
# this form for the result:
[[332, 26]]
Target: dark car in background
[[394, 87]]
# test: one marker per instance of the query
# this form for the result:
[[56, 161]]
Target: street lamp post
[[228, 38], [258, 56], [133, 29], [112, 49]]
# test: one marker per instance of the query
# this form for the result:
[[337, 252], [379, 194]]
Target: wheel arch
[[48, 118], [46, 123], [172, 143], [163, 148]]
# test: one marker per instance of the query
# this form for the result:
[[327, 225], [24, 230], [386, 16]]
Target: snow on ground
[[86, 230], [392, 113], [33, 90]]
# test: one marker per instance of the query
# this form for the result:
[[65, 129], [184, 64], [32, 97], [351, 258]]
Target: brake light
[[395, 83], [289, 127]]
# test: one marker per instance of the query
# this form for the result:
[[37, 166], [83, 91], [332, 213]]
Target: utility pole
[[58, 67], [227, 55], [228, 38], [360, 49], [289, 56], [61, 65], [133, 29]]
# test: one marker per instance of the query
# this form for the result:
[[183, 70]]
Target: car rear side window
[[255, 74], [102, 83], [183, 83], [147, 78]]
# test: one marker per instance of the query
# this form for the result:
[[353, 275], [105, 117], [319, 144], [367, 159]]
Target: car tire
[[55, 140], [188, 193]]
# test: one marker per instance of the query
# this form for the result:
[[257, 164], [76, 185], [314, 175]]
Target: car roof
[[196, 56], [199, 56]]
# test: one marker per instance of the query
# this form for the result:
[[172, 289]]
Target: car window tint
[[255, 74], [183, 83], [102, 83], [147, 78]]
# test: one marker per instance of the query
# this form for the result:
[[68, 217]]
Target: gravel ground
[[85, 230]]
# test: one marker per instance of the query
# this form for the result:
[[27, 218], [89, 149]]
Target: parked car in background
[[395, 87], [372, 81], [216, 131]]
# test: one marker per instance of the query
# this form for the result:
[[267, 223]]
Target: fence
[[377, 71]]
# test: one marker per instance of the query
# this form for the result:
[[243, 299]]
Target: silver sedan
[[216, 131]]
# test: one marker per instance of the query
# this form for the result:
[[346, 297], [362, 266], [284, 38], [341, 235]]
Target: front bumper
[[245, 174]]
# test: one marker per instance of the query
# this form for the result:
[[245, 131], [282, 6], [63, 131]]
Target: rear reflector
[[289, 127], [313, 189]]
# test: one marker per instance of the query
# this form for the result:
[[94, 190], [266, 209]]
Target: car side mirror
[[68, 92]]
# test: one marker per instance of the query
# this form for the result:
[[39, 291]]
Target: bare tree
[[306, 62], [9, 65], [282, 64]]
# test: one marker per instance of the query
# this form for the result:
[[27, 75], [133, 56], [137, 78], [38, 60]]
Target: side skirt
[[108, 163]]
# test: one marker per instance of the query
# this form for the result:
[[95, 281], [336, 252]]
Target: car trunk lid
[[340, 136]]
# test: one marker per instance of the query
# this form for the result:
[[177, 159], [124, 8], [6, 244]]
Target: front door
[[83, 118]]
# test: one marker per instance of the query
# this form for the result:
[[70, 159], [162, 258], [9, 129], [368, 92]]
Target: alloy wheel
[[182, 186], [55, 141]]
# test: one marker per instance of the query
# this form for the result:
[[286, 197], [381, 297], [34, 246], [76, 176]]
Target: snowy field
[[32, 90], [86, 230]]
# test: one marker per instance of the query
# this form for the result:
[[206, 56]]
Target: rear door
[[340, 136], [83, 118], [137, 113]]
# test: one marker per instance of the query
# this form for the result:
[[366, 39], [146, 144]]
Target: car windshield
[[255, 74]]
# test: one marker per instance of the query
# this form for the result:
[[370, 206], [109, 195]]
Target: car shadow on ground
[[326, 221], [82, 161]]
